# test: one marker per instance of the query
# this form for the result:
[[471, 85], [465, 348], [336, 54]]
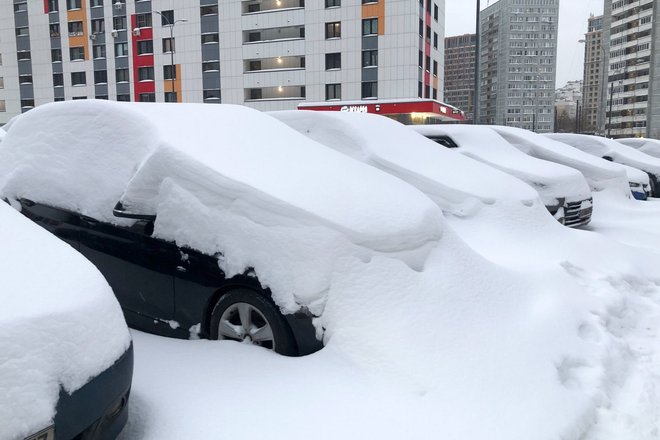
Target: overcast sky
[[573, 15]]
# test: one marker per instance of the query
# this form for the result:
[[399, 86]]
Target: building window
[[124, 98], [20, 7], [167, 17], [56, 55], [58, 80], [170, 97], [2, 83], [147, 97], [428, 64], [370, 89], [214, 66], [119, 23], [3, 105], [121, 49], [369, 58], [333, 61], [23, 55], [143, 20], [76, 53], [54, 30], [146, 73], [333, 30], [435, 93], [169, 72], [53, 5], [101, 97], [98, 51], [208, 10], [435, 68], [22, 32], [210, 38], [73, 4], [100, 77], [95, 3], [255, 94], [435, 12], [212, 95], [122, 75], [332, 91], [27, 103], [98, 26], [168, 45], [145, 47], [435, 40], [332, 3], [370, 26], [75, 28], [78, 79], [25, 79], [420, 61]]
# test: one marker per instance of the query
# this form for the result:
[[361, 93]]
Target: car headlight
[[634, 185]]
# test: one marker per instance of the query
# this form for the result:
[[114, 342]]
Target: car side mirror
[[119, 211]]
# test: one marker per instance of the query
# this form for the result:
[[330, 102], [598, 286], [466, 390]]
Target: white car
[[459, 185], [645, 145], [600, 173], [564, 191], [612, 150], [66, 358]]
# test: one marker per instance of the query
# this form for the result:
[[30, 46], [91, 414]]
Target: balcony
[[261, 6]]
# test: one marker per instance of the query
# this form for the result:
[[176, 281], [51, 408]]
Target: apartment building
[[460, 55], [632, 42], [518, 59], [592, 117], [268, 54]]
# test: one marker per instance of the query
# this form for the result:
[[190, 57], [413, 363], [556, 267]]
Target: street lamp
[[171, 26], [477, 62]]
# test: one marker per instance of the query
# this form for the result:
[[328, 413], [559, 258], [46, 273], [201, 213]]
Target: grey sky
[[573, 15]]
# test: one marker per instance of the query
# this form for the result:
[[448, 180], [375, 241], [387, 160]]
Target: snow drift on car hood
[[551, 180], [60, 324], [455, 182]]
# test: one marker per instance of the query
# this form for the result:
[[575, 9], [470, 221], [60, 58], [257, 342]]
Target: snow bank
[[599, 173], [60, 324], [270, 199], [601, 147], [645, 145], [551, 180], [457, 184]]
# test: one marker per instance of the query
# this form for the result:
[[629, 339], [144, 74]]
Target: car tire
[[245, 316]]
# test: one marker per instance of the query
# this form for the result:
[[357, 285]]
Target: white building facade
[[268, 54]]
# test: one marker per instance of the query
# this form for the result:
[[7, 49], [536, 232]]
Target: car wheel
[[243, 315]]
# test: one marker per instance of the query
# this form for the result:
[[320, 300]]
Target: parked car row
[[200, 217]]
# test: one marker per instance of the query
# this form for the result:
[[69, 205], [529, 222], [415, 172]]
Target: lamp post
[[171, 26], [477, 62]]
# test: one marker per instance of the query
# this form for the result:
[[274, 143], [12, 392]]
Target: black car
[[174, 291]]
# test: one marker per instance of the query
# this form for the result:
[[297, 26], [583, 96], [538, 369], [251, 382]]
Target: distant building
[[459, 72], [592, 118], [518, 59], [631, 36], [267, 54], [568, 107]]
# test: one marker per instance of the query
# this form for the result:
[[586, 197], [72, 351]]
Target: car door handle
[[89, 221], [181, 269]]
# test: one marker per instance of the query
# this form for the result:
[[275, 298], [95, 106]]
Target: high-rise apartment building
[[632, 42], [269, 54], [593, 79], [518, 59], [460, 54]]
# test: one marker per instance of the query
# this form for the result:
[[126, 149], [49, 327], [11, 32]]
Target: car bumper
[[98, 410]]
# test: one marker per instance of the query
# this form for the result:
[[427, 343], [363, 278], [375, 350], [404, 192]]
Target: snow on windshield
[[551, 180], [456, 183], [60, 324]]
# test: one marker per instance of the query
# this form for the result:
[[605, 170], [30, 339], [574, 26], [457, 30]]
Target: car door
[[138, 267]]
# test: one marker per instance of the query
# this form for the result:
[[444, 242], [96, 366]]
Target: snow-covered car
[[563, 190], [66, 358], [458, 185], [600, 173], [212, 221], [639, 182], [645, 145], [612, 150]]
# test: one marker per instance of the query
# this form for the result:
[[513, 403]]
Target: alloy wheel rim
[[243, 322]]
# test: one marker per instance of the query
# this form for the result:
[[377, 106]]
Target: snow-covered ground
[[551, 334]]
